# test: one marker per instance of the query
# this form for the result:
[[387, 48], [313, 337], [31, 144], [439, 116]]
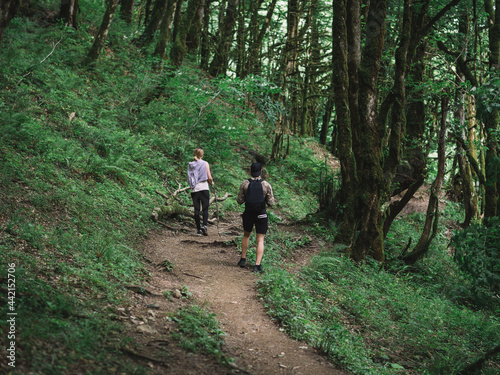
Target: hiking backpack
[[255, 201]]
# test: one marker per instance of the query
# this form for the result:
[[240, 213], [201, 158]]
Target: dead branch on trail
[[220, 199], [174, 207]]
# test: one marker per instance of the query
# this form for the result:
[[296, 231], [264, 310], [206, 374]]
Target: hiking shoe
[[204, 230], [242, 263], [199, 233], [257, 269]]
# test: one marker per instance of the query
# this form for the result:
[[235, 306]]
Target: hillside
[[97, 287]]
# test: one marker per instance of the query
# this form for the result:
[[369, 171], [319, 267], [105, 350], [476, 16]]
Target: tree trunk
[[311, 88], [68, 11], [195, 24], [164, 37], [220, 61], [432, 216], [253, 65], [100, 38], [346, 155], [371, 179], [205, 39], [153, 25], [127, 10], [8, 9], [284, 123], [491, 121]]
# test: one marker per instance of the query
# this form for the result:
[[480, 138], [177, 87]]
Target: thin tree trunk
[[432, 217], [100, 38], [205, 39]]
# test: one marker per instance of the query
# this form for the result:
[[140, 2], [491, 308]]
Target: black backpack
[[255, 201]]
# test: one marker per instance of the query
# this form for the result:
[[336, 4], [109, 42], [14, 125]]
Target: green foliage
[[477, 253], [369, 321], [199, 331]]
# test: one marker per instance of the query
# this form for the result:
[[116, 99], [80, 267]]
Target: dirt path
[[207, 267]]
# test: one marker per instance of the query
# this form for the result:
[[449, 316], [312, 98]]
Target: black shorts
[[259, 220]]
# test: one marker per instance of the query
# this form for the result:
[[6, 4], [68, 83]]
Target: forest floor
[[204, 270]]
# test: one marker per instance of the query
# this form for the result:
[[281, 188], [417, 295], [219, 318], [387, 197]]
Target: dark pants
[[200, 198]]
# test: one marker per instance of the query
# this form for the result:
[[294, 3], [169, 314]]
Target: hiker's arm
[[209, 175], [270, 196], [242, 193]]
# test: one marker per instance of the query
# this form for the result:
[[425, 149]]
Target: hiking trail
[[206, 267]]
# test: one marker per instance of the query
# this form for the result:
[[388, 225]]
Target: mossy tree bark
[[164, 37], [492, 188], [345, 151]]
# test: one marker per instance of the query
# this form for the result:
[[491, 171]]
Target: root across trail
[[206, 267]]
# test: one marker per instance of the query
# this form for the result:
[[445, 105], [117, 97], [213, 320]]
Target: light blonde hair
[[198, 153]]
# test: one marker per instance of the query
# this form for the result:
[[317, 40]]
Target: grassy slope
[[81, 155]]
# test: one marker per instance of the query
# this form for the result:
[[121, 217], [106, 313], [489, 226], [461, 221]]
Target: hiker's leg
[[205, 200], [244, 244], [260, 248], [196, 204]]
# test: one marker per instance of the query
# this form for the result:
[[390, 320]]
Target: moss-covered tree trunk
[[164, 37], [345, 151], [370, 174], [492, 188], [100, 38], [185, 37]]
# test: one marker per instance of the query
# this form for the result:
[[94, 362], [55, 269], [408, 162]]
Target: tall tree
[[492, 117], [100, 38]]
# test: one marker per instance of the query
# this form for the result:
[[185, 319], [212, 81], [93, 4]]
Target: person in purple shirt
[[199, 177]]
